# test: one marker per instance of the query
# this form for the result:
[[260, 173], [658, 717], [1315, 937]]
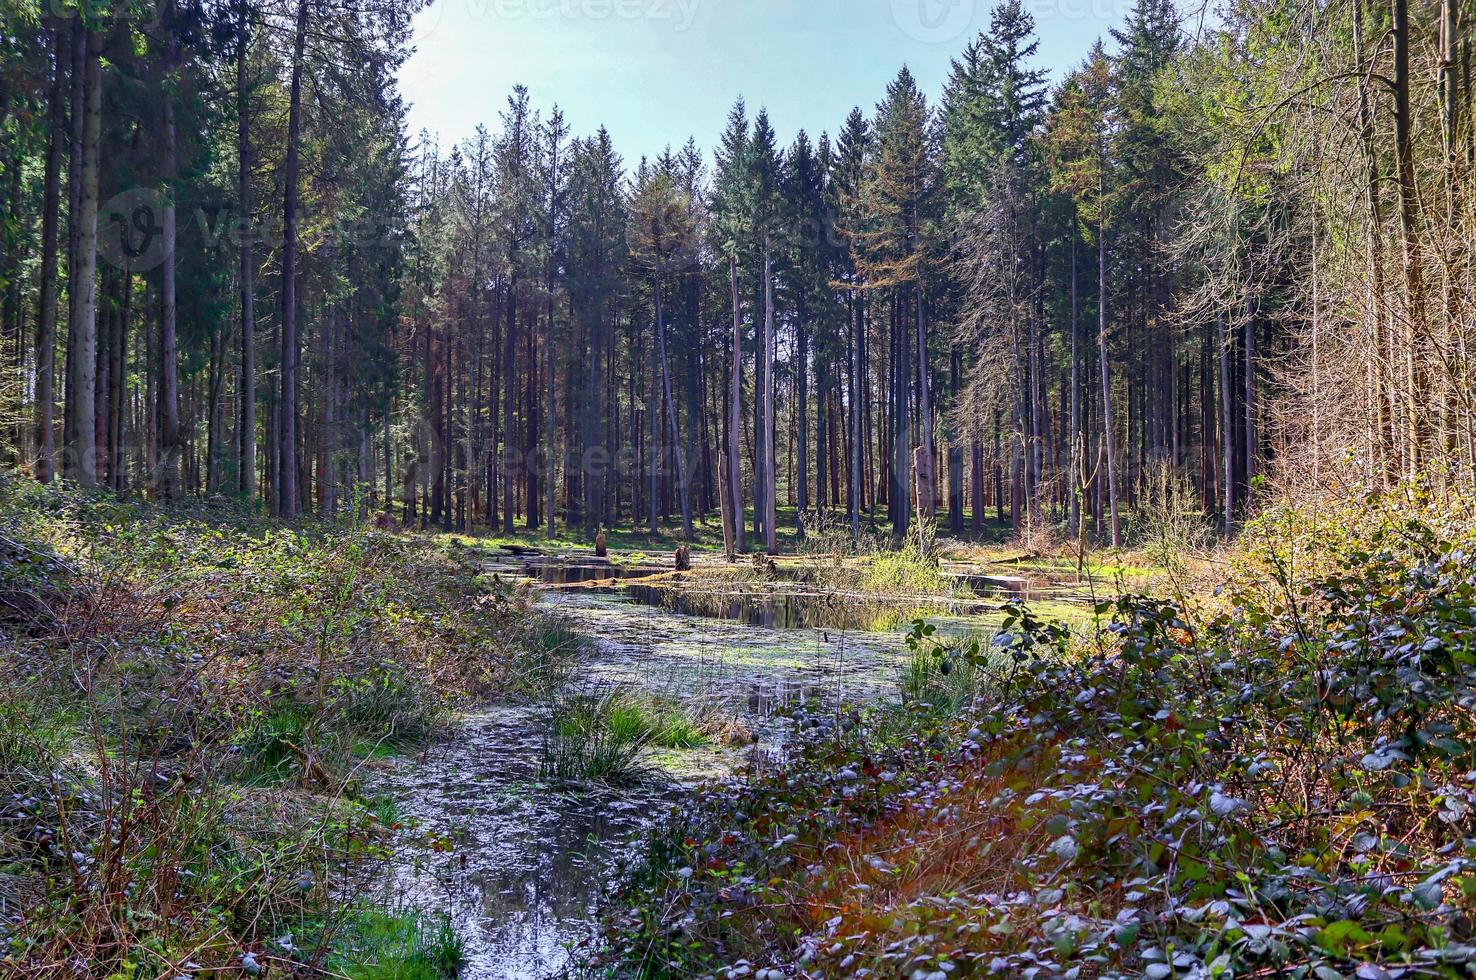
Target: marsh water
[[521, 866]]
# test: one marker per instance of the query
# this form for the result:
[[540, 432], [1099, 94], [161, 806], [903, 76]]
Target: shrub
[[1275, 782], [173, 679]]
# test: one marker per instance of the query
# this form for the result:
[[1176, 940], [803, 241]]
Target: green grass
[[266, 744], [608, 738], [941, 676], [904, 572], [409, 945]]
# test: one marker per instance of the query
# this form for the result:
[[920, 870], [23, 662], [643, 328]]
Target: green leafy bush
[[1273, 782]]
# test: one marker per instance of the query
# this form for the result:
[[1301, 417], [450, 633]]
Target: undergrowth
[[187, 696], [1272, 781]]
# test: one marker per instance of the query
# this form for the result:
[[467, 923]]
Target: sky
[[655, 72]]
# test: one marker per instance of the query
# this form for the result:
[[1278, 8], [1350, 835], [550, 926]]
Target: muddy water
[[529, 864]]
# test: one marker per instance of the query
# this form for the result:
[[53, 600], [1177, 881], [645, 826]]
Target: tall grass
[[944, 675], [401, 945], [606, 738], [904, 571]]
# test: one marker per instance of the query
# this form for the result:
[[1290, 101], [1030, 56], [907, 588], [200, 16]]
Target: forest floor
[[1270, 778], [220, 736], [191, 699]]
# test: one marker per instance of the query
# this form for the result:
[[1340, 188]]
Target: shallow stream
[[529, 864]]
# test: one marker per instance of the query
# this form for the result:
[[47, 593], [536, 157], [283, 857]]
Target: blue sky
[[657, 71]]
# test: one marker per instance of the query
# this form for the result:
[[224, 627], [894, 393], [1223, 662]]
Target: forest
[[230, 271], [1022, 530]]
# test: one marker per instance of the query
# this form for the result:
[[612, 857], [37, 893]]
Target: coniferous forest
[[1099, 445], [1198, 260]]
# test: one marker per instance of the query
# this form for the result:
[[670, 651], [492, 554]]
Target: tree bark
[[1416, 338], [1227, 427], [50, 220], [75, 125], [169, 433], [288, 502], [246, 421], [766, 454], [1110, 438], [676, 436], [735, 417], [84, 276]]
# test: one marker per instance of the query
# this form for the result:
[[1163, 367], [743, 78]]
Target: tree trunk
[[46, 316], [119, 349], [288, 503], [1110, 438], [676, 436], [766, 454], [1078, 440], [1416, 337], [75, 124], [509, 390], [802, 421], [169, 432], [84, 276], [246, 421], [735, 418], [1227, 427], [926, 508], [857, 323]]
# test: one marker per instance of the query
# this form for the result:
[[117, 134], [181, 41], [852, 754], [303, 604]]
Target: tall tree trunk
[[510, 394], [766, 454], [1078, 439], [802, 421], [246, 420], [590, 437], [50, 220], [1108, 435], [75, 124], [1386, 400], [927, 488], [119, 349], [854, 408], [1416, 336], [676, 435], [1252, 431], [215, 411], [734, 472], [102, 372], [84, 276], [1227, 427], [288, 502], [169, 431]]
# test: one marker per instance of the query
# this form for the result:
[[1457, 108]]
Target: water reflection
[[529, 865]]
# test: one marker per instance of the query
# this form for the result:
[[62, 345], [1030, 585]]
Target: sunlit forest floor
[[1186, 758], [190, 698]]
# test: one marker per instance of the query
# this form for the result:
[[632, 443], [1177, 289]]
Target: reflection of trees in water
[[529, 865], [537, 863]]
